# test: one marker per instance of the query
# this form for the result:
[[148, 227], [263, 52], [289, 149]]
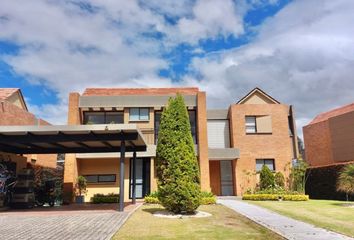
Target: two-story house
[[256, 130]]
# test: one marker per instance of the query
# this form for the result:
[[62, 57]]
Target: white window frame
[[251, 125]]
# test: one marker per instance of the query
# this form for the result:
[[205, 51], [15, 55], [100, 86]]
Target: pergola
[[76, 139]]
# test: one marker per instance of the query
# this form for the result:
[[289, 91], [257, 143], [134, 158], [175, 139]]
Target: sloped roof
[[138, 91], [5, 93], [332, 113], [260, 91]]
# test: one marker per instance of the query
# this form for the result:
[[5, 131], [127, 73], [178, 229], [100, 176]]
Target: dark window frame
[[264, 160], [104, 116], [98, 178], [140, 120]]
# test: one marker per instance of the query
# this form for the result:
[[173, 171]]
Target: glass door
[[142, 176], [226, 178]]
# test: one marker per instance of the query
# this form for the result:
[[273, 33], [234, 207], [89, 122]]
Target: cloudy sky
[[300, 52]]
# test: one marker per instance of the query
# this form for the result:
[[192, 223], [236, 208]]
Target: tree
[[279, 180], [298, 175], [176, 162], [266, 178], [345, 181]]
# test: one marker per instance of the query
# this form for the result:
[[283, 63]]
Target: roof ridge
[[333, 113]]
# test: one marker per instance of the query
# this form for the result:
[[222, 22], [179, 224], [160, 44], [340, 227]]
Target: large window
[[268, 162], [139, 114], [258, 124], [192, 121], [103, 117], [102, 178]]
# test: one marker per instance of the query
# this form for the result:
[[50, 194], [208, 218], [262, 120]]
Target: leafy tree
[[298, 176], [345, 181], [177, 166], [279, 180], [81, 184], [266, 178]]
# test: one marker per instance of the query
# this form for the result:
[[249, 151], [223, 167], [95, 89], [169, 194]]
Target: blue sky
[[291, 49]]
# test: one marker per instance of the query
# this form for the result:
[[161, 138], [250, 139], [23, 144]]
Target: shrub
[[152, 200], [207, 198], [177, 166], [81, 184], [109, 198], [298, 175], [275, 197], [266, 178], [279, 180], [345, 182]]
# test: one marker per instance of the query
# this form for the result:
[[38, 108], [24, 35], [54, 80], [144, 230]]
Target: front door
[[142, 176], [226, 178]]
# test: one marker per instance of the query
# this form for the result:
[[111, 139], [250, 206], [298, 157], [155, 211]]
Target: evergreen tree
[[266, 178], [177, 166]]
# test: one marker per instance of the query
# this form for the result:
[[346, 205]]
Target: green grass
[[332, 215], [223, 224]]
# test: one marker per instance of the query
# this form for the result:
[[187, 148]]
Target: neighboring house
[[229, 143], [13, 111], [329, 137]]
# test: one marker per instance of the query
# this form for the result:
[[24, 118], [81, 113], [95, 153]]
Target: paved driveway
[[62, 224]]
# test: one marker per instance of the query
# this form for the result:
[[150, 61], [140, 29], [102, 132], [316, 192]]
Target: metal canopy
[[71, 139]]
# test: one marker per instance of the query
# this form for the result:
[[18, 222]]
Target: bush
[[208, 200], [152, 200], [278, 191], [176, 162], [279, 180], [109, 198], [275, 197], [266, 178]]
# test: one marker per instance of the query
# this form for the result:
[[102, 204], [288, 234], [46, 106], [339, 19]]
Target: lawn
[[223, 224], [331, 215]]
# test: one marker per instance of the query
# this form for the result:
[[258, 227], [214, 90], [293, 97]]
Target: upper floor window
[[192, 121], [258, 124], [139, 114], [103, 117], [268, 162]]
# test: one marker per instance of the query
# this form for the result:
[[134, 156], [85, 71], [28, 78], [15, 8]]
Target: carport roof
[[71, 139]]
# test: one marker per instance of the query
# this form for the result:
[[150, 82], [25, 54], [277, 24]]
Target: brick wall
[[277, 146]]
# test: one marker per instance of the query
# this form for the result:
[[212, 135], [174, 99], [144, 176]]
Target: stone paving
[[284, 226], [88, 225]]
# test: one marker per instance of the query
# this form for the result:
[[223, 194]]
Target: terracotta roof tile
[[335, 112], [138, 91], [5, 93]]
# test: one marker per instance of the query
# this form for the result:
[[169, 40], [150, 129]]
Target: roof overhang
[[223, 153], [71, 139]]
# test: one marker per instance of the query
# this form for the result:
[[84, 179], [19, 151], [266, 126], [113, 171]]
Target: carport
[[119, 138]]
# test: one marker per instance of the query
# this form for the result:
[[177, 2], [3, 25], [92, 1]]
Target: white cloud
[[302, 56]]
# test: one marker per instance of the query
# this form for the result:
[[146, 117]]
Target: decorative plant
[[81, 184], [177, 166], [279, 180], [266, 178], [345, 181], [298, 176]]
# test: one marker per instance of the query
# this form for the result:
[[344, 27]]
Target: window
[[103, 178], [157, 124], [268, 162], [258, 124], [192, 121], [139, 114], [103, 117], [251, 126]]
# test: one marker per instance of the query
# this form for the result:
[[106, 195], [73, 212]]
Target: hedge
[[207, 198], [101, 198], [275, 197], [321, 183]]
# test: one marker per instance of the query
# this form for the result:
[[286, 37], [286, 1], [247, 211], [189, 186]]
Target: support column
[[134, 178], [121, 176]]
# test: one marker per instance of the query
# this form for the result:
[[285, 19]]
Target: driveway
[[62, 223]]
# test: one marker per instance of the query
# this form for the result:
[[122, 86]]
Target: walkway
[[99, 222], [284, 226]]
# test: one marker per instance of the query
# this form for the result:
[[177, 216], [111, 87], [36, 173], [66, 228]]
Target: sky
[[299, 52]]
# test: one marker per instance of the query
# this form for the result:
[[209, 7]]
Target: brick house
[[329, 137], [14, 112], [231, 142]]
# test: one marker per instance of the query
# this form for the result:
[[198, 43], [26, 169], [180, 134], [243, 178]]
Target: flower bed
[[275, 197]]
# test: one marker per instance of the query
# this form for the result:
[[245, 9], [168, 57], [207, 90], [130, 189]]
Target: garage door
[[218, 134]]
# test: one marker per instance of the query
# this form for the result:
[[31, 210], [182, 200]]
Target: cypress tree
[[176, 161]]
